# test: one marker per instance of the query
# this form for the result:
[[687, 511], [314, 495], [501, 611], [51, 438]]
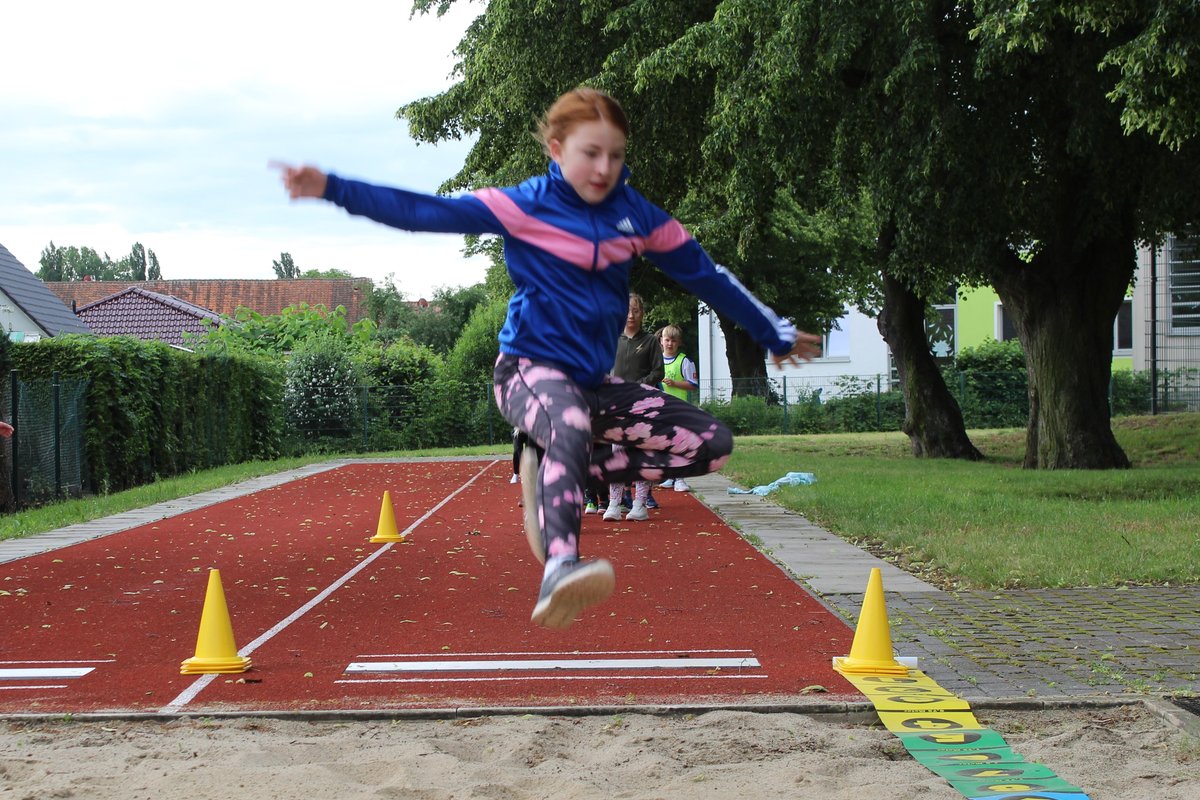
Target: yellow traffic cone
[[215, 650], [871, 652], [386, 530]]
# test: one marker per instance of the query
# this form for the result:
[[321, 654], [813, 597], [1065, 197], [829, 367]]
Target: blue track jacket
[[570, 262]]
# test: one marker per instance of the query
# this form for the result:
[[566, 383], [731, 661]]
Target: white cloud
[[154, 122]]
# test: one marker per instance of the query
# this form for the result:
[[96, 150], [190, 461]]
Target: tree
[[524, 53], [83, 263], [992, 143], [135, 262], [325, 274], [285, 268]]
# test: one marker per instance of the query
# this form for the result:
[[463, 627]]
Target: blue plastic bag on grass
[[791, 479]]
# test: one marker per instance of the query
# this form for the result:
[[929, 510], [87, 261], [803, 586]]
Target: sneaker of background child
[[570, 589], [651, 502], [515, 478], [591, 508], [681, 485], [613, 512], [667, 484], [627, 499], [637, 513]]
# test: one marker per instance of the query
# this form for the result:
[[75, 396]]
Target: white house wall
[[865, 358], [14, 320]]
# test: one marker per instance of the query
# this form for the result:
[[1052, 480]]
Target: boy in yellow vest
[[679, 379]]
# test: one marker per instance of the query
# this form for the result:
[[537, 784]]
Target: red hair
[[579, 105]]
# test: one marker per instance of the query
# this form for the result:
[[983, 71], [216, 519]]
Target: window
[[837, 340], [1122, 327], [1183, 283], [940, 331], [1005, 329]]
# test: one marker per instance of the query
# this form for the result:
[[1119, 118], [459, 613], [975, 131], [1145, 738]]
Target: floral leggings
[[661, 437]]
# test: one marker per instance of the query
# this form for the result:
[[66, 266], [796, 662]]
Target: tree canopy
[[83, 263], [815, 147]]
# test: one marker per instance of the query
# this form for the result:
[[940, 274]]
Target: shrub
[[992, 385], [321, 392]]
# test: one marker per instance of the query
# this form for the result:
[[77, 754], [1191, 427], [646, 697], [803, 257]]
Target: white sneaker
[[638, 512], [613, 512], [515, 478], [681, 485], [667, 484]]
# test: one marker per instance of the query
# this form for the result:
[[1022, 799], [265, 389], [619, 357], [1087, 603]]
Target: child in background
[[639, 358], [679, 379], [574, 233]]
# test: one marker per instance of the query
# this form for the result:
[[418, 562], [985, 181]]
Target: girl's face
[[670, 346], [591, 157]]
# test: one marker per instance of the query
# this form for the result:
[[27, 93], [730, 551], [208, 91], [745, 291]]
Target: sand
[[1125, 752]]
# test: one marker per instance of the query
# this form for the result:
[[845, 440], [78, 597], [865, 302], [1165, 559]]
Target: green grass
[[958, 524], [993, 524]]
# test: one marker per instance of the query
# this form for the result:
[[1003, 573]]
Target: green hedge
[[156, 411]]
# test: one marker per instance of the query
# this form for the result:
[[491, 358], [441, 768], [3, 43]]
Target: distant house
[[146, 315], [29, 311], [226, 296], [1157, 326]]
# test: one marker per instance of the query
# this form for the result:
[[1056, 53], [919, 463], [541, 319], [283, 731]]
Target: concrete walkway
[[1050, 645], [1044, 644]]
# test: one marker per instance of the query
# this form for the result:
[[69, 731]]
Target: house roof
[[225, 296], [32, 296], [146, 315]]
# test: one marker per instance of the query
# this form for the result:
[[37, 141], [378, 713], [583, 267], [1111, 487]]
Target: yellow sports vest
[[673, 371]]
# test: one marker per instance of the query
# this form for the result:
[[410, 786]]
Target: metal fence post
[[14, 477], [878, 401], [785, 406], [366, 415], [55, 403]]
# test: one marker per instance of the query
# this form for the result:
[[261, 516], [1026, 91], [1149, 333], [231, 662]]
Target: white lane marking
[[189, 694], [62, 661], [500, 678], [554, 653], [35, 686], [44, 673], [553, 664]]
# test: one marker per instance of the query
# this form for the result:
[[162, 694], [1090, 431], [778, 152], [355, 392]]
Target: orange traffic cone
[[386, 530], [215, 650], [871, 652]]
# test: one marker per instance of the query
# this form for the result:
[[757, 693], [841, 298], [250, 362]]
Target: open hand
[[301, 181], [806, 348]]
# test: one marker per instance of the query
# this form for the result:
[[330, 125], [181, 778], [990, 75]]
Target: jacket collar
[[559, 184]]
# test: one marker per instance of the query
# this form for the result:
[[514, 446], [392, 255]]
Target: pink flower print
[[639, 431], [566, 548], [684, 441], [648, 404], [578, 419], [552, 471]]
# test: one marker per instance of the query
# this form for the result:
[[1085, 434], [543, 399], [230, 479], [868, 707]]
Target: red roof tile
[[225, 296], [145, 315]]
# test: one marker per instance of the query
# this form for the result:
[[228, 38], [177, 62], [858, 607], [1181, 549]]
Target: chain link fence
[[44, 459]]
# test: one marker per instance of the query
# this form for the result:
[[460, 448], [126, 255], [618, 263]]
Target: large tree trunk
[[747, 360], [932, 418], [1063, 305]]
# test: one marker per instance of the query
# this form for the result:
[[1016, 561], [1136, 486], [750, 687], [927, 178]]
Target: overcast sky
[[153, 122]]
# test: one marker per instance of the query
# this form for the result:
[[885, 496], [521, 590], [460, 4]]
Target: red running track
[[333, 622]]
